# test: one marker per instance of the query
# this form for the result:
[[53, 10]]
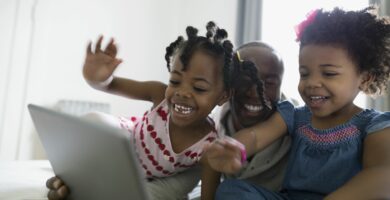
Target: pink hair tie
[[302, 26]]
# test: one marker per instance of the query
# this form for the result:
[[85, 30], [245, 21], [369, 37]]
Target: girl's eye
[[303, 75], [173, 82], [303, 72], [198, 89], [330, 74]]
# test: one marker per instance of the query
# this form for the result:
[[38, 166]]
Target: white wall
[[42, 47]]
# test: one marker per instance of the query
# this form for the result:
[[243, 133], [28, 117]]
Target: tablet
[[96, 161]]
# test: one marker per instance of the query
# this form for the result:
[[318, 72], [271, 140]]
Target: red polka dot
[[194, 155], [150, 128], [154, 163], [161, 146], [147, 151]]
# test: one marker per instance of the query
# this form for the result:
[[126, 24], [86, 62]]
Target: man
[[247, 107]]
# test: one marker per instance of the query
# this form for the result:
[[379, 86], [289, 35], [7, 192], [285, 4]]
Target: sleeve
[[287, 111], [378, 122], [218, 114]]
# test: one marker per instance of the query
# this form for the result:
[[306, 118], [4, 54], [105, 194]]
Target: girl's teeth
[[317, 97], [182, 109]]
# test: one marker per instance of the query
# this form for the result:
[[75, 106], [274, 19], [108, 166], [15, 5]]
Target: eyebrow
[[176, 72], [323, 66], [330, 65], [202, 79], [196, 78]]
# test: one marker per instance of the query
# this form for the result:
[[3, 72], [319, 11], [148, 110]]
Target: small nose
[[182, 93], [252, 91], [313, 82]]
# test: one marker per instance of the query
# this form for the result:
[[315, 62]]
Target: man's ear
[[225, 97]]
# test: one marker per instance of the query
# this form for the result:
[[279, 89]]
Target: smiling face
[[193, 93], [329, 81], [246, 105]]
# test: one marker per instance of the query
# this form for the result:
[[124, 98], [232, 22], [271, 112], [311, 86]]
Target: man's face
[[247, 108]]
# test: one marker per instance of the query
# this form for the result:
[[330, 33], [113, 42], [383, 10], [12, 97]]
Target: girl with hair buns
[[168, 138]]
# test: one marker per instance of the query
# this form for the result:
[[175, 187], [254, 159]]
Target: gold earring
[[238, 56]]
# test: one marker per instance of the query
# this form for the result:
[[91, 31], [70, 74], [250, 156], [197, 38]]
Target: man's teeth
[[253, 108], [182, 109]]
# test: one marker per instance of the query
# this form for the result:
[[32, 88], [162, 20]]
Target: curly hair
[[363, 34], [215, 44]]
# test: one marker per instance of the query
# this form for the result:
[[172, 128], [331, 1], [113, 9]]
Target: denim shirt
[[323, 160]]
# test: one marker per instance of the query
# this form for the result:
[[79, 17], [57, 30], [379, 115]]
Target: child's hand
[[225, 155], [100, 64], [58, 189]]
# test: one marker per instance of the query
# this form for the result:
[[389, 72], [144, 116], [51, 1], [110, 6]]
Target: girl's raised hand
[[225, 155], [100, 64]]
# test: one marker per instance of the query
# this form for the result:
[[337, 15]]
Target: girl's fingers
[[214, 150], [223, 149], [53, 195], [89, 48], [117, 62], [224, 155], [58, 190], [111, 49], [59, 194], [230, 144], [99, 44], [63, 191], [50, 183]]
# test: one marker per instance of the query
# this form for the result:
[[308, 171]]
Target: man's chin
[[248, 122]]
